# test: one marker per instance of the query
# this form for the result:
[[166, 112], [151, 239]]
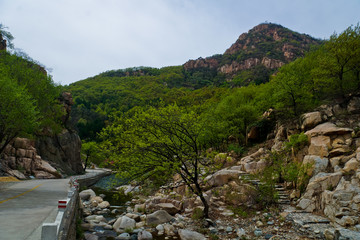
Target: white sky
[[82, 38]]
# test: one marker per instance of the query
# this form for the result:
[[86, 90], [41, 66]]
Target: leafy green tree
[[293, 87], [92, 153], [39, 86], [156, 143], [343, 57], [18, 113], [7, 36], [233, 115]]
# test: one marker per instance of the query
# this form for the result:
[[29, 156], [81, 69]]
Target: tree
[[38, 85], [7, 36], [343, 56], [89, 149], [235, 113], [157, 143], [294, 87], [18, 114]]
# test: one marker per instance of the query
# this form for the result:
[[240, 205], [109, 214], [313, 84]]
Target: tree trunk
[[199, 192], [86, 161]]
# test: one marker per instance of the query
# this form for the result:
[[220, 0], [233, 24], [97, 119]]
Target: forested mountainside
[[252, 59]]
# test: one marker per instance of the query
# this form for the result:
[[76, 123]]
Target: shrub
[[197, 214], [297, 142]]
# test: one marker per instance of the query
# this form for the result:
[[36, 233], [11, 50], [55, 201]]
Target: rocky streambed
[[102, 220]]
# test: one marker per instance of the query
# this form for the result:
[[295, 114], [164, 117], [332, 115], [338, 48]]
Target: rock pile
[[133, 224]]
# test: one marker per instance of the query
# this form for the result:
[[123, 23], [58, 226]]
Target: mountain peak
[[266, 45]]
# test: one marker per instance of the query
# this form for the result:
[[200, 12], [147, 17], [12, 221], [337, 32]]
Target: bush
[[197, 214], [297, 142], [239, 150]]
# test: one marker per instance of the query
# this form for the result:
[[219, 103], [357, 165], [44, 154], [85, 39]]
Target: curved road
[[25, 205]]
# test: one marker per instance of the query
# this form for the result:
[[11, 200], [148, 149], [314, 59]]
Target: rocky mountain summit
[[267, 45]]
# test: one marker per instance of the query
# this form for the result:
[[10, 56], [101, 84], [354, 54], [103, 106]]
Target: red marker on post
[[62, 204]]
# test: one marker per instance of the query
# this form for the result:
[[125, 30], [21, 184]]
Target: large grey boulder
[[327, 129], [158, 217], [190, 235], [127, 223], [310, 120], [87, 194], [222, 177]]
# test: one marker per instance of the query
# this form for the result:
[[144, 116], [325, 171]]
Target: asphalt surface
[[25, 205]]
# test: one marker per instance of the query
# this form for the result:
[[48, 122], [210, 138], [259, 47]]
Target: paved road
[[25, 205]]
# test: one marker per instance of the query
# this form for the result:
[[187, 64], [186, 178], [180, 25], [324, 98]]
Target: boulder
[[145, 235], [123, 236], [327, 129], [17, 174], [222, 177], [190, 235], [96, 199], [310, 120], [320, 146], [89, 236], [116, 225], [46, 167], [351, 165], [127, 223], [43, 175], [168, 207], [87, 194], [104, 204], [317, 185], [158, 217], [169, 229], [316, 164]]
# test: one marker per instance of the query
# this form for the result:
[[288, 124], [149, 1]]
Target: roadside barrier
[[64, 226], [66, 212]]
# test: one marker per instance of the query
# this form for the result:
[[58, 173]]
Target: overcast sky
[[82, 38]]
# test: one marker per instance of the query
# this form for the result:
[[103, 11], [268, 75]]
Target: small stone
[[268, 236], [213, 230], [240, 232], [124, 236], [270, 223], [258, 232], [259, 224], [317, 231], [229, 229]]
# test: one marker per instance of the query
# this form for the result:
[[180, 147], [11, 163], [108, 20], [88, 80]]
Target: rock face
[[21, 159], [62, 150], [334, 188]]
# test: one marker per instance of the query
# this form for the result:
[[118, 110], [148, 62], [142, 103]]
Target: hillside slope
[[252, 58]]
